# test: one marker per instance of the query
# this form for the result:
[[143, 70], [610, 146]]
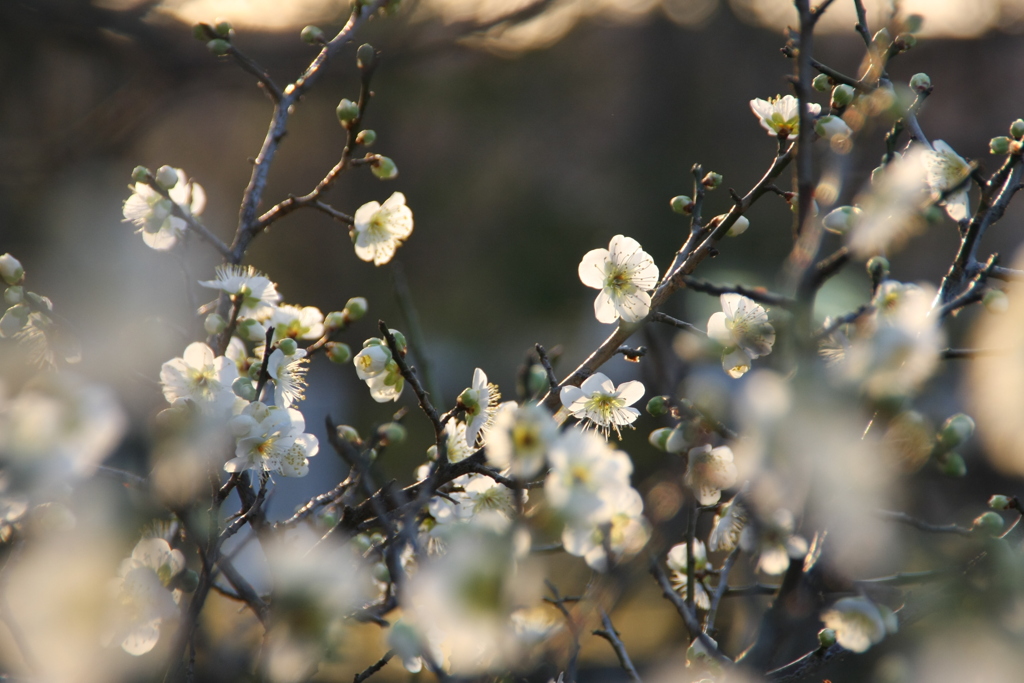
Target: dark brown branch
[[689, 618], [545, 362], [249, 65], [956, 354], [759, 295], [612, 636], [675, 322], [374, 668]]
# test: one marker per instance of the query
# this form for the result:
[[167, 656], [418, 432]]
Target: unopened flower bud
[[338, 352], [366, 56], [254, 371], [362, 543], [996, 301], [223, 28], [335, 320], [913, 23], [469, 400], [989, 523], [841, 219], [312, 35], [830, 126], [140, 174], [381, 573], [658, 406], [920, 82], [739, 227], [905, 41], [288, 346], [537, 379], [878, 268], [187, 581], [400, 342], [218, 46], [39, 302], [955, 431], [999, 145], [355, 308], [391, 433], [349, 433], [384, 168], [821, 83], [682, 204], [251, 330], [328, 518], [953, 465], [883, 38], [347, 111], [14, 295], [13, 320], [11, 270], [659, 438], [166, 177], [998, 502], [199, 32], [826, 638], [842, 95], [244, 388], [712, 180], [214, 324], [366, 137], [1017, 129]]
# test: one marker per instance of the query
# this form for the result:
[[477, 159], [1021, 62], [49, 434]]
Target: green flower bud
[[989, 523], [738, 227], [920, 82], [335, 320], [288, 346], [13, 320], [362, 543], [251, 330], [712, 180], [199, 32], [188, 581], [338, 353], [348, 433], [328, 518], [821, 83], [355, 308], [934, 215], [140, 174], [312, 35], [384, 168], [10, 270], [14, 295], [366, 137], [391, 433], [366, 56], [166, 177], [952, 465], [218, 47], [913, 23], [214, 324], [38, 301], [658, 406], [373, 341], [999, 145], [878, 268], [537, 379], [468, 401], [400, 342], [998, 502], [347, 111], [223, 28], [381, 573], [244, 388], [659, 438], [996, 301], [841, 219], [826, 638], [955, 431], [1017, 129], [682, 204], [842, 95]]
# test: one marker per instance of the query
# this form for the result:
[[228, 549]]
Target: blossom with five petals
[[379, 229], [945, 170], [153, 214], [742, 327], [780, 116], [200, 377], [603, 404], [624, 273]]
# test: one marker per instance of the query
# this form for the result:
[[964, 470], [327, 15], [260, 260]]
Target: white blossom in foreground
[[519, 439], [585, 472], [858, 623], [271, 439], [200, 377], [141, 590], [479, 401], [742, 327], [772, 540], [676, 561], [475, 498], [945, 170], [624, 273], [289, 375], [259, 295], [891, 206], [379, 229], [602, 404], [709, 471], [620, 527], [780, 115], [147, 209], [306, 322]]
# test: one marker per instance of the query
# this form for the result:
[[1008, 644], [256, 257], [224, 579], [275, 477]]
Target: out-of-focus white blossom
[[624, 273], [891, 207], [603, 404], [620, 527], [946, 170], [676, 561], [200, 377], [519, 438], [780, 115], [141, 590], [729, 521], [772, 540], [709, 471], [742, 327], [857, 622], [147, 209], [585, 472], [379, 229], [271, 439]]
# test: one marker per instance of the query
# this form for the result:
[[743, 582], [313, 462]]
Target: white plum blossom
[[709, 471], [858, 623], [945, 170], [585, 473], [271, 439], [772, 540], [152, 213], [386, 386], [624, 273], [200, 377], [475, 498], [372, 360], [479, 401], [379, 229], [780, 115], [519, 438], [729, 521], [892, 206], [620, 528], [141, 590], [455, 440], [259, 295], [742, 327], [289, 375], [829, 127], [602, 404], [306, 322], [676, 561]]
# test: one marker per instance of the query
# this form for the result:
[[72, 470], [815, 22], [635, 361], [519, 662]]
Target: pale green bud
[[10, 270], [254, 371], [830, 126], [251, 330], [842, 95], [878, 268], [400, 342], [953, 465], [955, 431], [826, 638], [13, 320], [920, 82], [218, 46], [355, 308], [996, 301], [537, 379], [14, 295], [187, 581], [373, 341], [214, 324], [682, 204], [998, 502], [739, 227], [1017, 129], [913, 23], [712, 180], [821, 83], [166, 177], [658, 406], [384, 168], [329, 518], [366, 56], [366, 137], [140, 174], [391, 433], [223, 28], [841, 219], [362, 543], [288, 346], [469, 401], [312, 35], [349, 433], [38, 301], [999, 145], [244, 389], [199, 32], [347, 111], [659, 438], [381, 573], [989, 523], [338, 353], [335, 320]]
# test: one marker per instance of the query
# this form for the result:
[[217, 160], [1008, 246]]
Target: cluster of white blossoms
[[741, 327], [153, 213], [142, 590], [603, 405], [376, 366], [624, 273]]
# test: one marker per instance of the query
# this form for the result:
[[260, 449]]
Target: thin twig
[[904, 518], [660, 317], [545, 362], [374, 668], [759, 295], [612, 636], [689, 618], [190, 221], [723, 584]]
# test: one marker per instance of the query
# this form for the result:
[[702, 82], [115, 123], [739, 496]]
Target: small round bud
[[362, 543], [38, 302], [335, 320], [218, 46], [682, 204], [251, 330], [989, 523], [254, 370], [712, 180], [366, 56], [905, 41], [920, 82], [468, 401], [998, 502], [223, 28], [244, 389], [996, 301], [658, 406], [537, 379], [659, 438], [999, 145], [312, 35], [381, 573], [355, 308], [166, 177], [1017, 129], [821, 83], [841, 219], [955, 431], [140, 174], [214, 324], [11, 270], [883, 38], [14, 295], [400, 342], [14, 318], [913, 23], [187, 581], [826, 638], [384, 168], [288, 346], [878, 268], [391, 433], [199, 32], [953, 465], [842, 95], [349, 433], [366, 137], [338, 352], [347, 111], [739, 227], [830, 126]]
